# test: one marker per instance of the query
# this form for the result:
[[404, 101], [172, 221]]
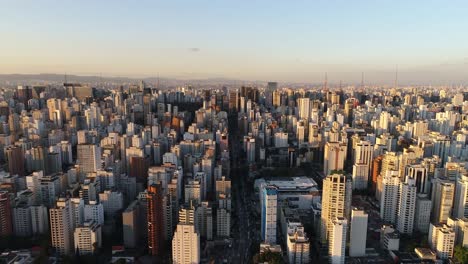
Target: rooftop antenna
[[65, 78]]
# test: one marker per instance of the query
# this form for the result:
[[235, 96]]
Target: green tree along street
[[461, 254], [270, 257]]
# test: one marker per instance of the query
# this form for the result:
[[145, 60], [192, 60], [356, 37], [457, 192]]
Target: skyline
[[284, 42]]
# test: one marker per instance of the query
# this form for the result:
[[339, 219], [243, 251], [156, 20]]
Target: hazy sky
[[265, 40]]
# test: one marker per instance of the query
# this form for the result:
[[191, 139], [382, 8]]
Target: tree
[[461, 254], [270, 257]]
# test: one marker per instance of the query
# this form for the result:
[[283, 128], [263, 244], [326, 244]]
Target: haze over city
[[245, 40]]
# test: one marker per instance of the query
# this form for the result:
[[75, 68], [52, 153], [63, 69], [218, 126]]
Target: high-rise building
[[336, 201], [303, 105], [442, 240], [94, 211], [130, 225], [360, 176], [6, 227], [419, 173], [422, 216], [269, 211], [442, 200], [298, 245], [204, 220], [78, 207], [334, 157], [88, 157], [376, 168], [15, 160], [389, 196], [193, 191], [22, 220], [112, 202], [155, 220], [363, 153], [39, 219], [460, 207], [87, 238], [186, 245], [337, 240], [223, 222], [358, 233], [407, 206], [62, 227]]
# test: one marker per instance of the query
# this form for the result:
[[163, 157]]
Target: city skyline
[[286, 42]]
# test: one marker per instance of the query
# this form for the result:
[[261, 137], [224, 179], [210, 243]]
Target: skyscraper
[[186, 245], [298, 245], [335, 154], [87, 238], [15, 159], [155, 219], [6, 227], [337, 240], [269, 214], [407, 206], [460, 207], [336, 201], [358, 233], [389, 196], [88, 157], [61, 227], [304, 108], [442, 200]]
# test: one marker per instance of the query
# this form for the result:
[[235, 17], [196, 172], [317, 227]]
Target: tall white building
[[334, 157], [389, 196], [442, 240], [337, 240], [460, 207], [460, 226], [87, 238], [269, 205], [407, 206], [186, 245], [358, 233], [62, 227], [298, 245], [418, 172], [442, 200], [303, 105], [336, 201]]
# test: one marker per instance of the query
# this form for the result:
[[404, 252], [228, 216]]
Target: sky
[[293, 40]]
